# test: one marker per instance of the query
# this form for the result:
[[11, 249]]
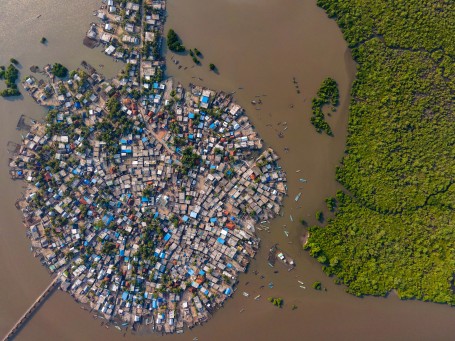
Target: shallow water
[[259, 45]]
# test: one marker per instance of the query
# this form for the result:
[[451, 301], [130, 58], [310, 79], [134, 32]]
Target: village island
[[142, 195]]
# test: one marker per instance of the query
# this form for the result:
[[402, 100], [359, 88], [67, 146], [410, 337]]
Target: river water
[[260, 46]]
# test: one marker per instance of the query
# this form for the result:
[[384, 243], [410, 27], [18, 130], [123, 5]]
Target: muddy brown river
[[259, 47]]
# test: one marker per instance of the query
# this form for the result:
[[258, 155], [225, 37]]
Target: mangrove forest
[[328, 95], [10, 76], [394, 226], [174, 42]]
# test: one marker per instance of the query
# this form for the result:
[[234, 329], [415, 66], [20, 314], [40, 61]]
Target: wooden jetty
[[34, 307]]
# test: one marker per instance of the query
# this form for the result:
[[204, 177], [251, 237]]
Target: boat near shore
[[276, 253]]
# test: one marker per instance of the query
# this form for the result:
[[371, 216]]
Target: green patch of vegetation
[[196, 61], [331, 203], [59, 70], [173, 42], [13, 61], [10, 75], [328, 94], [10, 92], [212, 67], [317, 285], [190, 159], [198, 53], [395, 230], [276, 301], [43, 40]]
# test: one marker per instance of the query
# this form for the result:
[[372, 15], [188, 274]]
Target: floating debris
[[297, 197]]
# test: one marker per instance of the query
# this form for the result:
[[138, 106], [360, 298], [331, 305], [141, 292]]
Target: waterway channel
[[260, 46]]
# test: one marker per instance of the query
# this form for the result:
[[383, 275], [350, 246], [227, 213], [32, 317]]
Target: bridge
[[35, 306]]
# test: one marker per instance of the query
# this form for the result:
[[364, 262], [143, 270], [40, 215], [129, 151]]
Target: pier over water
[[34, 307]]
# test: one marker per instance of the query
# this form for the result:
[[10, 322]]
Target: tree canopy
[[395, 229], [328, 94], [10, 75], [173, 42], [59, 70]]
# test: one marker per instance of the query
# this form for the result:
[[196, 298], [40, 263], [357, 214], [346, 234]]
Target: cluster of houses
[[131, 31], [149, 203]]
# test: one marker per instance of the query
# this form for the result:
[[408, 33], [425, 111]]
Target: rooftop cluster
[[145, 193]]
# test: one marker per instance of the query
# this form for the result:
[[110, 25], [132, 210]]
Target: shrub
[[59, 70]]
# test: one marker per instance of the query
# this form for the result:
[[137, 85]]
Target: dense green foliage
[[173, 42], [10, 75], [116, 126], [395, 229], [328, 94], [10, 92], [193, 55], [59, 70], [212, 67], [190, 159], [331, 203], [276, 301], [317, 285]]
